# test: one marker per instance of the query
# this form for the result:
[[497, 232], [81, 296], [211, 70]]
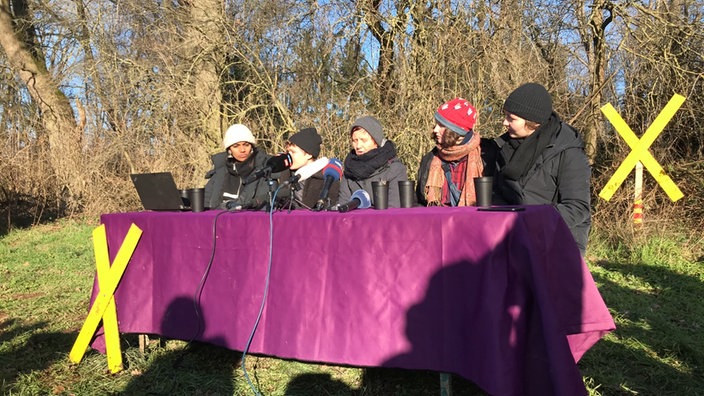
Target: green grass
[[654, 288], [655, 291]]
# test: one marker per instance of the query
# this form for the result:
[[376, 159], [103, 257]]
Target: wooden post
[[638, 199]]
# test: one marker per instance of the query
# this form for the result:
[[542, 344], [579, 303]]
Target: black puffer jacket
[[560, 176], [251, 194]]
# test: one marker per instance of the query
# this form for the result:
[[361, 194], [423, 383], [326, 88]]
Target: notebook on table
[[158, 191]]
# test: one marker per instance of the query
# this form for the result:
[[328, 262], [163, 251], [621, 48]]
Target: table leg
[[143, 342], [445, 384]]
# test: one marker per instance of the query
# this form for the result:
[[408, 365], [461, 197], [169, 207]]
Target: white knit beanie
[[238, 133]]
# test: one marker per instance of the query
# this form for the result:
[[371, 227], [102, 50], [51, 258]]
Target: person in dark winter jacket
[[541, 160], [372, 158], [304, 148], [231, 167], [446, 174]]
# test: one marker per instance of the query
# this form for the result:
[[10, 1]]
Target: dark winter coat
[[309, 193], [393, 172], [422, 176], [254, 194], [560, 176]]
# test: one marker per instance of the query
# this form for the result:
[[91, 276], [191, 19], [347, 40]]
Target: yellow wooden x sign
[[104, 304], [639, 149]]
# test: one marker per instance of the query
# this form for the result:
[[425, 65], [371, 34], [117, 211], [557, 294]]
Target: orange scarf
[[436, 176]]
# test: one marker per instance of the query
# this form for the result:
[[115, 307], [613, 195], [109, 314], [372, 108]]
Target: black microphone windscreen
[[279, 163]]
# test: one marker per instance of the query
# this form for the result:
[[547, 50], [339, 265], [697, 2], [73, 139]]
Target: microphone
[[360, 199], [307, 171], [236, 205], [331, 173], [274, 164]]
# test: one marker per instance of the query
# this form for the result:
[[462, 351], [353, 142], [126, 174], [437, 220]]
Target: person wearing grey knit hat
[[364, 128], [540, 160], [372, 158]]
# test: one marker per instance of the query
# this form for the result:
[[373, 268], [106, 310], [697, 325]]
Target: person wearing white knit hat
[[231, 167], [239, 142]]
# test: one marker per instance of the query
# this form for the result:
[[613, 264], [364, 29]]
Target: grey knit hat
[[530, 101], [372, 126]]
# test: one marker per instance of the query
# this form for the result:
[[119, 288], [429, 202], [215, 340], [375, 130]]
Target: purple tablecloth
[[501, 298]]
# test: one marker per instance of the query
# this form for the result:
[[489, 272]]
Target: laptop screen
[[158, 191]]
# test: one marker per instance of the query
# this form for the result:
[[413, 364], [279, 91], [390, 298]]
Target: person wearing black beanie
[[541, 160], [304, 148]]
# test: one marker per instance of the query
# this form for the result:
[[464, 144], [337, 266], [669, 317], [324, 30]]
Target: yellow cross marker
[[640, 148], [104, 304]]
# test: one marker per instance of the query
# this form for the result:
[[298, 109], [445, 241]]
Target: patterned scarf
[[436, 175], [360, 167]]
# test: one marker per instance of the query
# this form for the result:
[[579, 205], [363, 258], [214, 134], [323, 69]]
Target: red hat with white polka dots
[[458, 115]]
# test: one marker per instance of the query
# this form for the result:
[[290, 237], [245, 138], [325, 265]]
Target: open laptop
[[158, 191]]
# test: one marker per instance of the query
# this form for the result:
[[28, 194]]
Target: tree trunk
[[387, 47], [57, 118], [593, 32], [206, 52]]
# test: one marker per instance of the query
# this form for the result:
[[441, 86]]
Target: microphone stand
[[272, 187], [293, 186], [321, 205]]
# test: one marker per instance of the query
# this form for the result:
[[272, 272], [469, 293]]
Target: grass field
[[654, 287]]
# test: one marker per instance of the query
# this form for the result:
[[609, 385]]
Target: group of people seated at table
[[539, 159]]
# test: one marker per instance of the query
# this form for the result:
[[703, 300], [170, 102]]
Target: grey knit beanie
[[372, 126], [530, 101]]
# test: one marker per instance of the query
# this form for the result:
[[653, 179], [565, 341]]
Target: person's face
[[362, 141], [438, 133], [241, 151], [446, 138], [299, 157], [516, 126]]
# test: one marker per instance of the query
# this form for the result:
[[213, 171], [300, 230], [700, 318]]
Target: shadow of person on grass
[[662, 313], [317, 384], [22, 356], [201, 367]]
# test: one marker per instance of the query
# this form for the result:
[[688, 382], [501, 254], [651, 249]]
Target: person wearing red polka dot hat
[[446, 174]]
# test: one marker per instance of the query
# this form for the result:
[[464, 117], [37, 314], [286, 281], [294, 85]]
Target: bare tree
[[95, 90], [592, 30], [26, 57]]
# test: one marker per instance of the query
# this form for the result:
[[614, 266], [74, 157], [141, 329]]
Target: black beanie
[[530, 101], [308, 140]]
